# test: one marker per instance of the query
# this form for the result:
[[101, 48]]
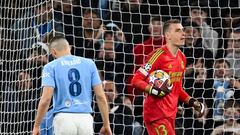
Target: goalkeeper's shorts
[[161, 127]]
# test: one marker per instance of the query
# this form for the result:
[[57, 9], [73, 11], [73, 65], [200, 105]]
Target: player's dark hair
[[191, 24], [222, 61], [91, 11], [200, 5], [168, 23], [155, 18]]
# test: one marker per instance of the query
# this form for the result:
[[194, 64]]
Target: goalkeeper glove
[[198, 106], [160, 89]]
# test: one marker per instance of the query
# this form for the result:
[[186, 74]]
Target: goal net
[[118, 35]]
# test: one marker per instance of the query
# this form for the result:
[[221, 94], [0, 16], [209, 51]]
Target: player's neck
[[62, 54], [173, 49]]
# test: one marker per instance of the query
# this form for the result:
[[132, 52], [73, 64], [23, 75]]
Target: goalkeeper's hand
[[198, 106], [160, 89]]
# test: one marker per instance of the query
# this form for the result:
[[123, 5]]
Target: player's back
[[73, 83]]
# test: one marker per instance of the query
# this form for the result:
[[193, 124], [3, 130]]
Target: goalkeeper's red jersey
[[162, 107]]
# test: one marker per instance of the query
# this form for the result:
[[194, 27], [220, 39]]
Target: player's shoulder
[[154, 55], [158, 51], [51, 64], [181, 53], [86, 60]]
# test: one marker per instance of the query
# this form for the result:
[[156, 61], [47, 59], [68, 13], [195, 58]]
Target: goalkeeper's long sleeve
[[138, 81], [183, 96]]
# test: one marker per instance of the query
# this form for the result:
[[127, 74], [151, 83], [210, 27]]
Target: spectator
[[117, 33], [199, 13], [85, 44], [67, 14], [197, 55], [121, 118], [222, 87], [231, 114], [231, 20], [137, 127], [39, 54], [113, 61], [132, 18], [233, 50], [142, 50], [39, 22], [18, 105], [202, 90], [35, 62], [100, 4], [155, 41], [112, 32]]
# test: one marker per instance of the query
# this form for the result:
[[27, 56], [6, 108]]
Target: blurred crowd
[[118, 35]]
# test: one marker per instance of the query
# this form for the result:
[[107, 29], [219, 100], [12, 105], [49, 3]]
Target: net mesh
[[118, 35]]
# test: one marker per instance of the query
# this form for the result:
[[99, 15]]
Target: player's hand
[[160, 89], [198, 106], [36, 130], [106, 130]]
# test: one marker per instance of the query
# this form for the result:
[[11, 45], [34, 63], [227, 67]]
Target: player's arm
[[198, 106], [185, 98], [102, 103], [43, 105], [103, 106], [139, 82]]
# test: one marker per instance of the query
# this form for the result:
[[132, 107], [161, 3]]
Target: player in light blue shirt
[[70, 80]]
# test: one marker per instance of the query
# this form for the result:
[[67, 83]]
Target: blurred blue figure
[[46, 125], [222, 88]]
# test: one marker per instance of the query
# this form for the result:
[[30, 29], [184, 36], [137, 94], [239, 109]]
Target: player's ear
[[70, 47], [167, 35], [54, 53]]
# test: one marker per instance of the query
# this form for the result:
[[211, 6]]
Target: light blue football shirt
[[72, 78]]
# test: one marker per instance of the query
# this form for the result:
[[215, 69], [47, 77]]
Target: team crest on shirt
[[68, 103], [147, 66], [182, 65]]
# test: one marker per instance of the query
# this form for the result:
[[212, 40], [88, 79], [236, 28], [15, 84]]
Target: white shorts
[[73, 124]]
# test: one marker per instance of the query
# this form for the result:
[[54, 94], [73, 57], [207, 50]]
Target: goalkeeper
[[160, 105]]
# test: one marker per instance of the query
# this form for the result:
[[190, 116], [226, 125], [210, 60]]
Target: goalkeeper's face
[[176, 34]]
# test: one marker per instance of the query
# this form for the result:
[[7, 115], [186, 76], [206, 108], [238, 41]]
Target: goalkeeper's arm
[[198, 106], [139, 83]]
